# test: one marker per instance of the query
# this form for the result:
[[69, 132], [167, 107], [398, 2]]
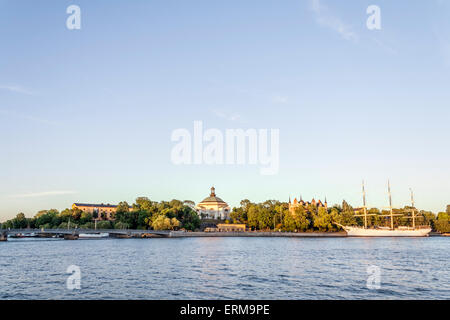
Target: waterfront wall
[[180, 234]]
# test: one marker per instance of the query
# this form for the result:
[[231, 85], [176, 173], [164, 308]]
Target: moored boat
[[100, 235], [401, 231], [73, 236], [387, 232]]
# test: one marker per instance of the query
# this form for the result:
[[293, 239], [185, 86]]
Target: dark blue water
[[226, 268]]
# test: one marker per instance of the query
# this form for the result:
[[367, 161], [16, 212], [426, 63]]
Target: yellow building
[[227, 227], [213, 207], [232, 227], [99, 211]]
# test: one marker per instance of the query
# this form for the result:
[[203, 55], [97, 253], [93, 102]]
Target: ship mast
[[413, 209], [364, 206], [390, 205]]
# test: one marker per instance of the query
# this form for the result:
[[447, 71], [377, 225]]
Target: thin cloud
[[16, 89], [280, 99], [328, 19], [29, 117], [230, 117], [42, 194], [385, 47]]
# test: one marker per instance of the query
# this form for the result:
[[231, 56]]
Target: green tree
[[20, 222], [289, 222], [428, 219], [47, 218], [121, 225], [76, 214], [323, 221], [87, 225], [443, 216], [164, 223], [143, 203], [245, 204], [237, 215], [253, 217], [85, 217], [174, 223], [346, 218], [142, 218], [8, 224], [190, 219], [189, 203], [265, 219], [63, 225], [126, 216], [346, 206], [442, 223], [65, 215], [104, 224], [302, 223], [122, 207]]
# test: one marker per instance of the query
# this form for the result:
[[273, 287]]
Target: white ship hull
[[93, 235], [407, 232]]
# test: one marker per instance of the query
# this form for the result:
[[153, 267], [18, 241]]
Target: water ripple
[[226, 268]]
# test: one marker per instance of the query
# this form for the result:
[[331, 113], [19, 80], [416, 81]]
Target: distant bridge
[[62, 232]]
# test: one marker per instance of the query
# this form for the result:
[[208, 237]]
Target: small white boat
[[100, 235]]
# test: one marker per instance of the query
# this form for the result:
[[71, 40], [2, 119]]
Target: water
[[226, 268]]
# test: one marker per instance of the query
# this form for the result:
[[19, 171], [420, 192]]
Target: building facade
[[98, 211], [232, 227], [305, 204], [227, 227], [213, 207]]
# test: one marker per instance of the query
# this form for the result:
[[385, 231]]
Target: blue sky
[[87, 115]]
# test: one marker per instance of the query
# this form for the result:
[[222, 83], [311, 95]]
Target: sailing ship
[[401, 231]]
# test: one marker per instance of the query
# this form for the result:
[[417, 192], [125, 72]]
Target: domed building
[[213, 207]]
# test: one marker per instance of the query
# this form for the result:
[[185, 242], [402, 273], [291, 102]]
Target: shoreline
[[268, 234], [144, 234]]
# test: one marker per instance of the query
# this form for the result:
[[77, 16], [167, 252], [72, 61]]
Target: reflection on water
[[226, 268]]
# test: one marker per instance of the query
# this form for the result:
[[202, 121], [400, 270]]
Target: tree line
[[275, 215], [269, 215], [143, 214]]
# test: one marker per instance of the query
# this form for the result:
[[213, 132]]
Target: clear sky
[[87, 115]]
